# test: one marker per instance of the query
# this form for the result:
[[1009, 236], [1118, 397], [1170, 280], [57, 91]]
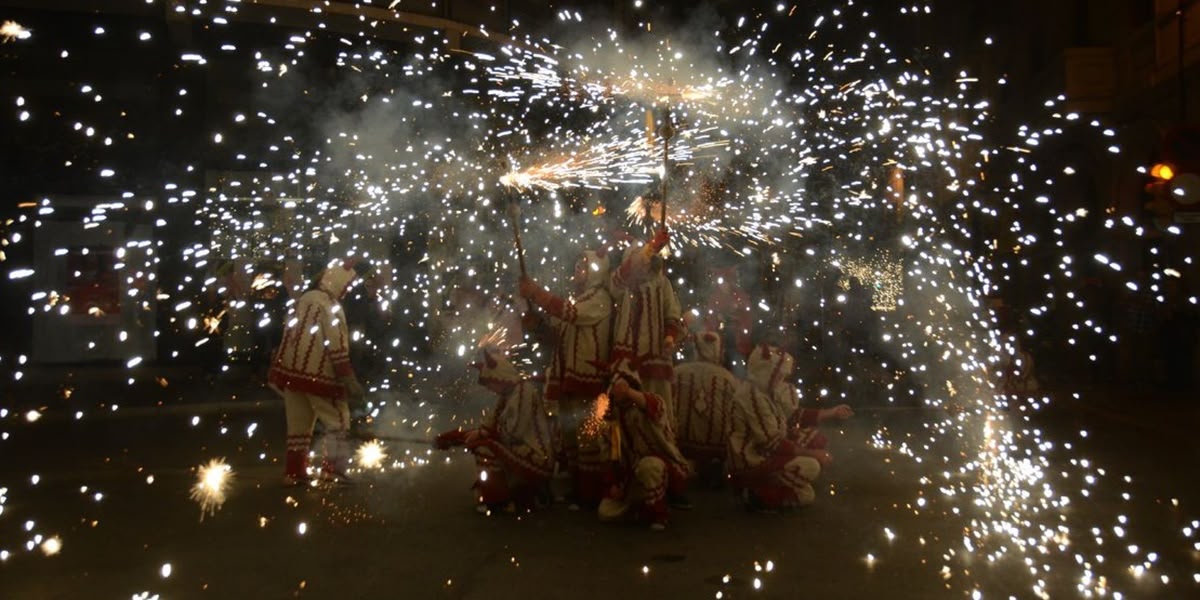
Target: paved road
[[114, 488]]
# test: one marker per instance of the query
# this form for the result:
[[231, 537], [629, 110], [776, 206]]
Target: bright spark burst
[[370, 455], [12, 30], [212, 484]]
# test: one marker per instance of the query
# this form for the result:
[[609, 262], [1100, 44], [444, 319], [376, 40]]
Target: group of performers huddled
[[628, 427]]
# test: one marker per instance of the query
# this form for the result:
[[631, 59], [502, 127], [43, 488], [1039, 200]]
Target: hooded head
[[768, 365], [592, 269], [336, 279], [495, 369], [708, 347]]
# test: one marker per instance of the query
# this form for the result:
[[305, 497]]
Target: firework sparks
[[803, 153], [371, 455], [212, 484], [12, 30]]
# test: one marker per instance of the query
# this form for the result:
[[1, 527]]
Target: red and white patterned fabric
[[303, 410], [703, 395], [513, 446], [770, 368], [632, 454], [315, 351], [583, 326], [762, 459], [759, 427], [519, 429], [647, 314], [519, 434]]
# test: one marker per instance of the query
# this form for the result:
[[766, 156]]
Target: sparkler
[[370, 455], [212, 484], [666, 131], [514, 216]]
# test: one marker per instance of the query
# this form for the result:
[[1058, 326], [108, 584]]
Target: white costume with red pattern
[[771, 368], [648, 313], [306, 370], [582, 325], [704, 392], [646, 463], [762, 458], [578, 369], [514, 445]]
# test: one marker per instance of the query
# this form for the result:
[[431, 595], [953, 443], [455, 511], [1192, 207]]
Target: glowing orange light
[[1162, 171]]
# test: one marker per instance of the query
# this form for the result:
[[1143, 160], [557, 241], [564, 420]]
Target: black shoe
[[296, 482], [680, 502], [335, 478], [754, 505]]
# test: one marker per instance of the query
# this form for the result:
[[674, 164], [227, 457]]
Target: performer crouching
[[513, 446], [771, 369], [647, 465]]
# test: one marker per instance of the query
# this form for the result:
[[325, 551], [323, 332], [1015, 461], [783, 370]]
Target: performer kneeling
[[646, 464], [770, 368], [513, 447], [770, 469]]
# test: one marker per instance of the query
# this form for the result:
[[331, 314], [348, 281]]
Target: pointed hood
[[708, 347], [494, 367], [768, 365], [336, 279], [597, 268]]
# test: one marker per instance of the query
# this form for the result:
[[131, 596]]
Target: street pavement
[[112, 488]]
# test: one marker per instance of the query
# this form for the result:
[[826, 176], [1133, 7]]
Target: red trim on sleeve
[[343, 369], [675, 329], [654, 406], [549, 302], [806, 417]]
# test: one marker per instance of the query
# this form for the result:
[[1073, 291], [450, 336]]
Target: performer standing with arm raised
[[582, 326]]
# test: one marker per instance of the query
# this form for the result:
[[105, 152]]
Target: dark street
[[113, 487]]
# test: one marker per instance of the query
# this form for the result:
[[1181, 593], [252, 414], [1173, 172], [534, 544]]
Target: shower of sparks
[[212, 483], [595, 419], [805, 155], [880, 273], [498, 338], [370, 455]]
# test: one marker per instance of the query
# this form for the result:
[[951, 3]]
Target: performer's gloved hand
[[528, 288], [661, 239], [620, 391], [353, 388], [536, 294], [841, 412], [475, 437]]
